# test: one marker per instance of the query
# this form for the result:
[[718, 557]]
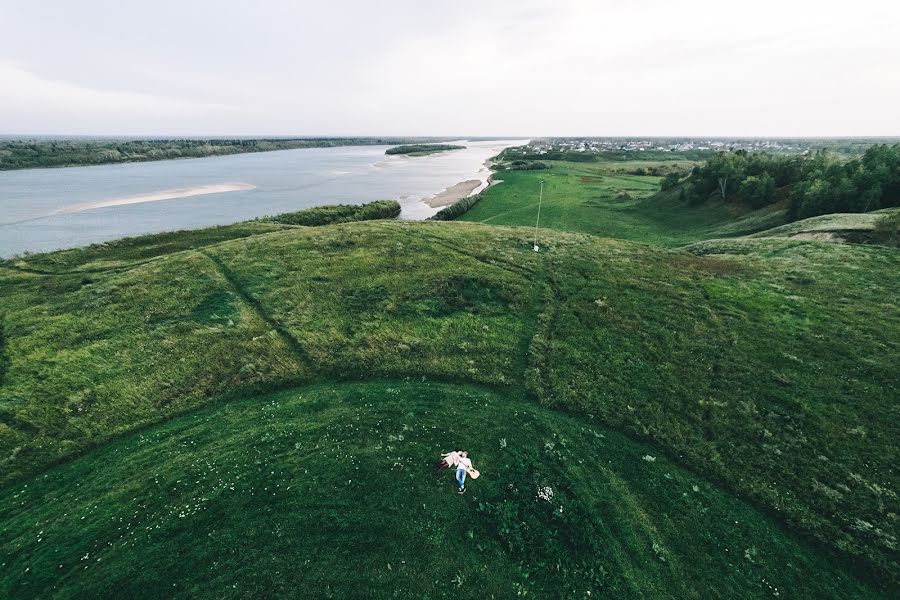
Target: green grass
[[327, 491], [598, 199], [836, 223], [757, 374]]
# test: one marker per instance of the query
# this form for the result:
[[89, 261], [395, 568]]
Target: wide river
[[49, 209]]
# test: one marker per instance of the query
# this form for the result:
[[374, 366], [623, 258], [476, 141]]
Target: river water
[[49, 209]]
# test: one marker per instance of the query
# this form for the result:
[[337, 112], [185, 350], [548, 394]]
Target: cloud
[[528, 67], [30, 102]]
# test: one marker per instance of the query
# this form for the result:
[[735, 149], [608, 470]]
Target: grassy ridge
[[326, 491]]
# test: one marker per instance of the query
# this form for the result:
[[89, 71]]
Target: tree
[[757, 190], [670, 181]]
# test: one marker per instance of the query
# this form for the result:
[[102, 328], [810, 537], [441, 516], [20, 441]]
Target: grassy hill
[[326, 491], [717, 420]]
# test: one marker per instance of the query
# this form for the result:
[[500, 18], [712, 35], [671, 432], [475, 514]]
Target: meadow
[[716, 417]]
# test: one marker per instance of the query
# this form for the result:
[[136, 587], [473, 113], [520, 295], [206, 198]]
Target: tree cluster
[[813, 184], [339, 213]]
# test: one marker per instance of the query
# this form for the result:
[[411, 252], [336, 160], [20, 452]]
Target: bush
[[527, 165], [887, 229], [457, 209], [339, 213], [670, 181]]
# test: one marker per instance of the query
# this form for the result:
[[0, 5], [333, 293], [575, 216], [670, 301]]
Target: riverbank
[[453, 193]]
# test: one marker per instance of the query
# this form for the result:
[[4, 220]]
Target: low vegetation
[[421, 149], [457, 209], [526, 165], [339, 213]]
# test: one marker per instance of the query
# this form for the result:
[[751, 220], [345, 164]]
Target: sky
[[450, 68]]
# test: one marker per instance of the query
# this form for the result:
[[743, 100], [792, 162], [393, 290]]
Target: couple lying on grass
[[460, 459]]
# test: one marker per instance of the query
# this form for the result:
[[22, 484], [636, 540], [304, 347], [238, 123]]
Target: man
[[463, 464]]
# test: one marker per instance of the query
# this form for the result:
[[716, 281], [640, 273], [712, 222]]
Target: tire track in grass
[[537, 305], [257, 307]]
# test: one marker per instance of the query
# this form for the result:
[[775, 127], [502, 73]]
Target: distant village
[[546, 146]]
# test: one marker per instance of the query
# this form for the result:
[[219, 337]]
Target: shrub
[[457, 209], [527, 165], [339, 213], [887, 229], [670, 181]]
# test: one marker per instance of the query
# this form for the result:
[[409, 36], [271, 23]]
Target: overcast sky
[[450, 67]]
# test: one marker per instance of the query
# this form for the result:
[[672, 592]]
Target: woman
[[447, 460]]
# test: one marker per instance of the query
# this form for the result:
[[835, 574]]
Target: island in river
[[422, 149]]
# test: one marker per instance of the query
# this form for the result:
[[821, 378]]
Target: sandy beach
[[215, 188], [453, 193]]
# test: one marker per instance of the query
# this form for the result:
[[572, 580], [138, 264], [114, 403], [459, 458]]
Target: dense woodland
[[810, 185]]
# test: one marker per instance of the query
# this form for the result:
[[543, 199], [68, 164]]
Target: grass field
[[326, 491], [599, 199], [763, 368]]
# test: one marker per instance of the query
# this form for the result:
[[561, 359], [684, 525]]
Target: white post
[[538, 220]]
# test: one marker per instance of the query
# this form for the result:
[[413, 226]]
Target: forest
[[810, 185]]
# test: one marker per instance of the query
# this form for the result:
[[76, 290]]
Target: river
[[49, 209]]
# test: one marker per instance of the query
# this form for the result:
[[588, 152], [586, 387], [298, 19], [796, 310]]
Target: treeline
[[811, 184], [339, 213], [27, 154], [526, 165]]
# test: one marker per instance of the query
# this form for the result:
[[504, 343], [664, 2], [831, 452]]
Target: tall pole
[[538, 220]]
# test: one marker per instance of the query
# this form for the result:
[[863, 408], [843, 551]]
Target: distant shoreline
[[18, 154]]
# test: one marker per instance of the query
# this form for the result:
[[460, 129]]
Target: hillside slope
[[772, 373]]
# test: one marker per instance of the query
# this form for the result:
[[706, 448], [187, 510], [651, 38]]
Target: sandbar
[[173, 194], [454, 193]]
